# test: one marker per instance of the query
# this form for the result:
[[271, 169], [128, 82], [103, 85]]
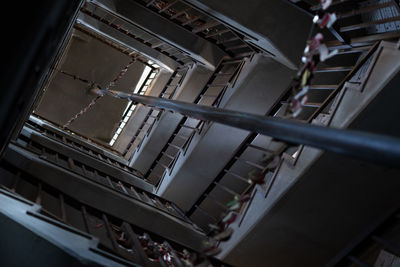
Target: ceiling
[[64, 96]]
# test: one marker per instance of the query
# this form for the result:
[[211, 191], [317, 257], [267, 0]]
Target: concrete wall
[[257, 89]]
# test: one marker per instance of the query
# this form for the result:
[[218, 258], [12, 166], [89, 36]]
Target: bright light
[[142, 79], [112, 142], [143, 84]]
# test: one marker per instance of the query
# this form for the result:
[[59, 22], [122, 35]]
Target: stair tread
[[312, 104], [324, 86], [332, 69], [368, 24]]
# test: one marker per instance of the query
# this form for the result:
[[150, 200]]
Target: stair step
[[368, 24], [363, 40], [217, 85], [245, 54], [191, 21], [334, 2], [157, 45], [227, 40], [213, 96], [334, 69], [312, 105], [363, 10], [354, 50], [180, 13], [236, 47], [223, 74], [167, 6], [323, 86], [218, 33], [207, 25], [150, 3], [232, 62]]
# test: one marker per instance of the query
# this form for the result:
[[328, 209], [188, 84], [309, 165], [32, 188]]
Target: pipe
[[370, 147]]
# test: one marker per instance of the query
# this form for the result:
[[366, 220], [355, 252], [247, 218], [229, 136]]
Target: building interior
[[201, 133]]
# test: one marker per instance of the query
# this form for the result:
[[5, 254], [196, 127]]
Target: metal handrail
[[371, 147]]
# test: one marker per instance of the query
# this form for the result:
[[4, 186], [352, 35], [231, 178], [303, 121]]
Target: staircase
[[76, 189], [120, 242], [153, 115], [211, 95], [260, 155]]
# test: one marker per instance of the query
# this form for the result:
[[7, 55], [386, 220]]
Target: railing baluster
[[38, 199], [110, 234], [62, 208], [85, 219], [16, 182], [109, 181], [140, 254], [226, 189]]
